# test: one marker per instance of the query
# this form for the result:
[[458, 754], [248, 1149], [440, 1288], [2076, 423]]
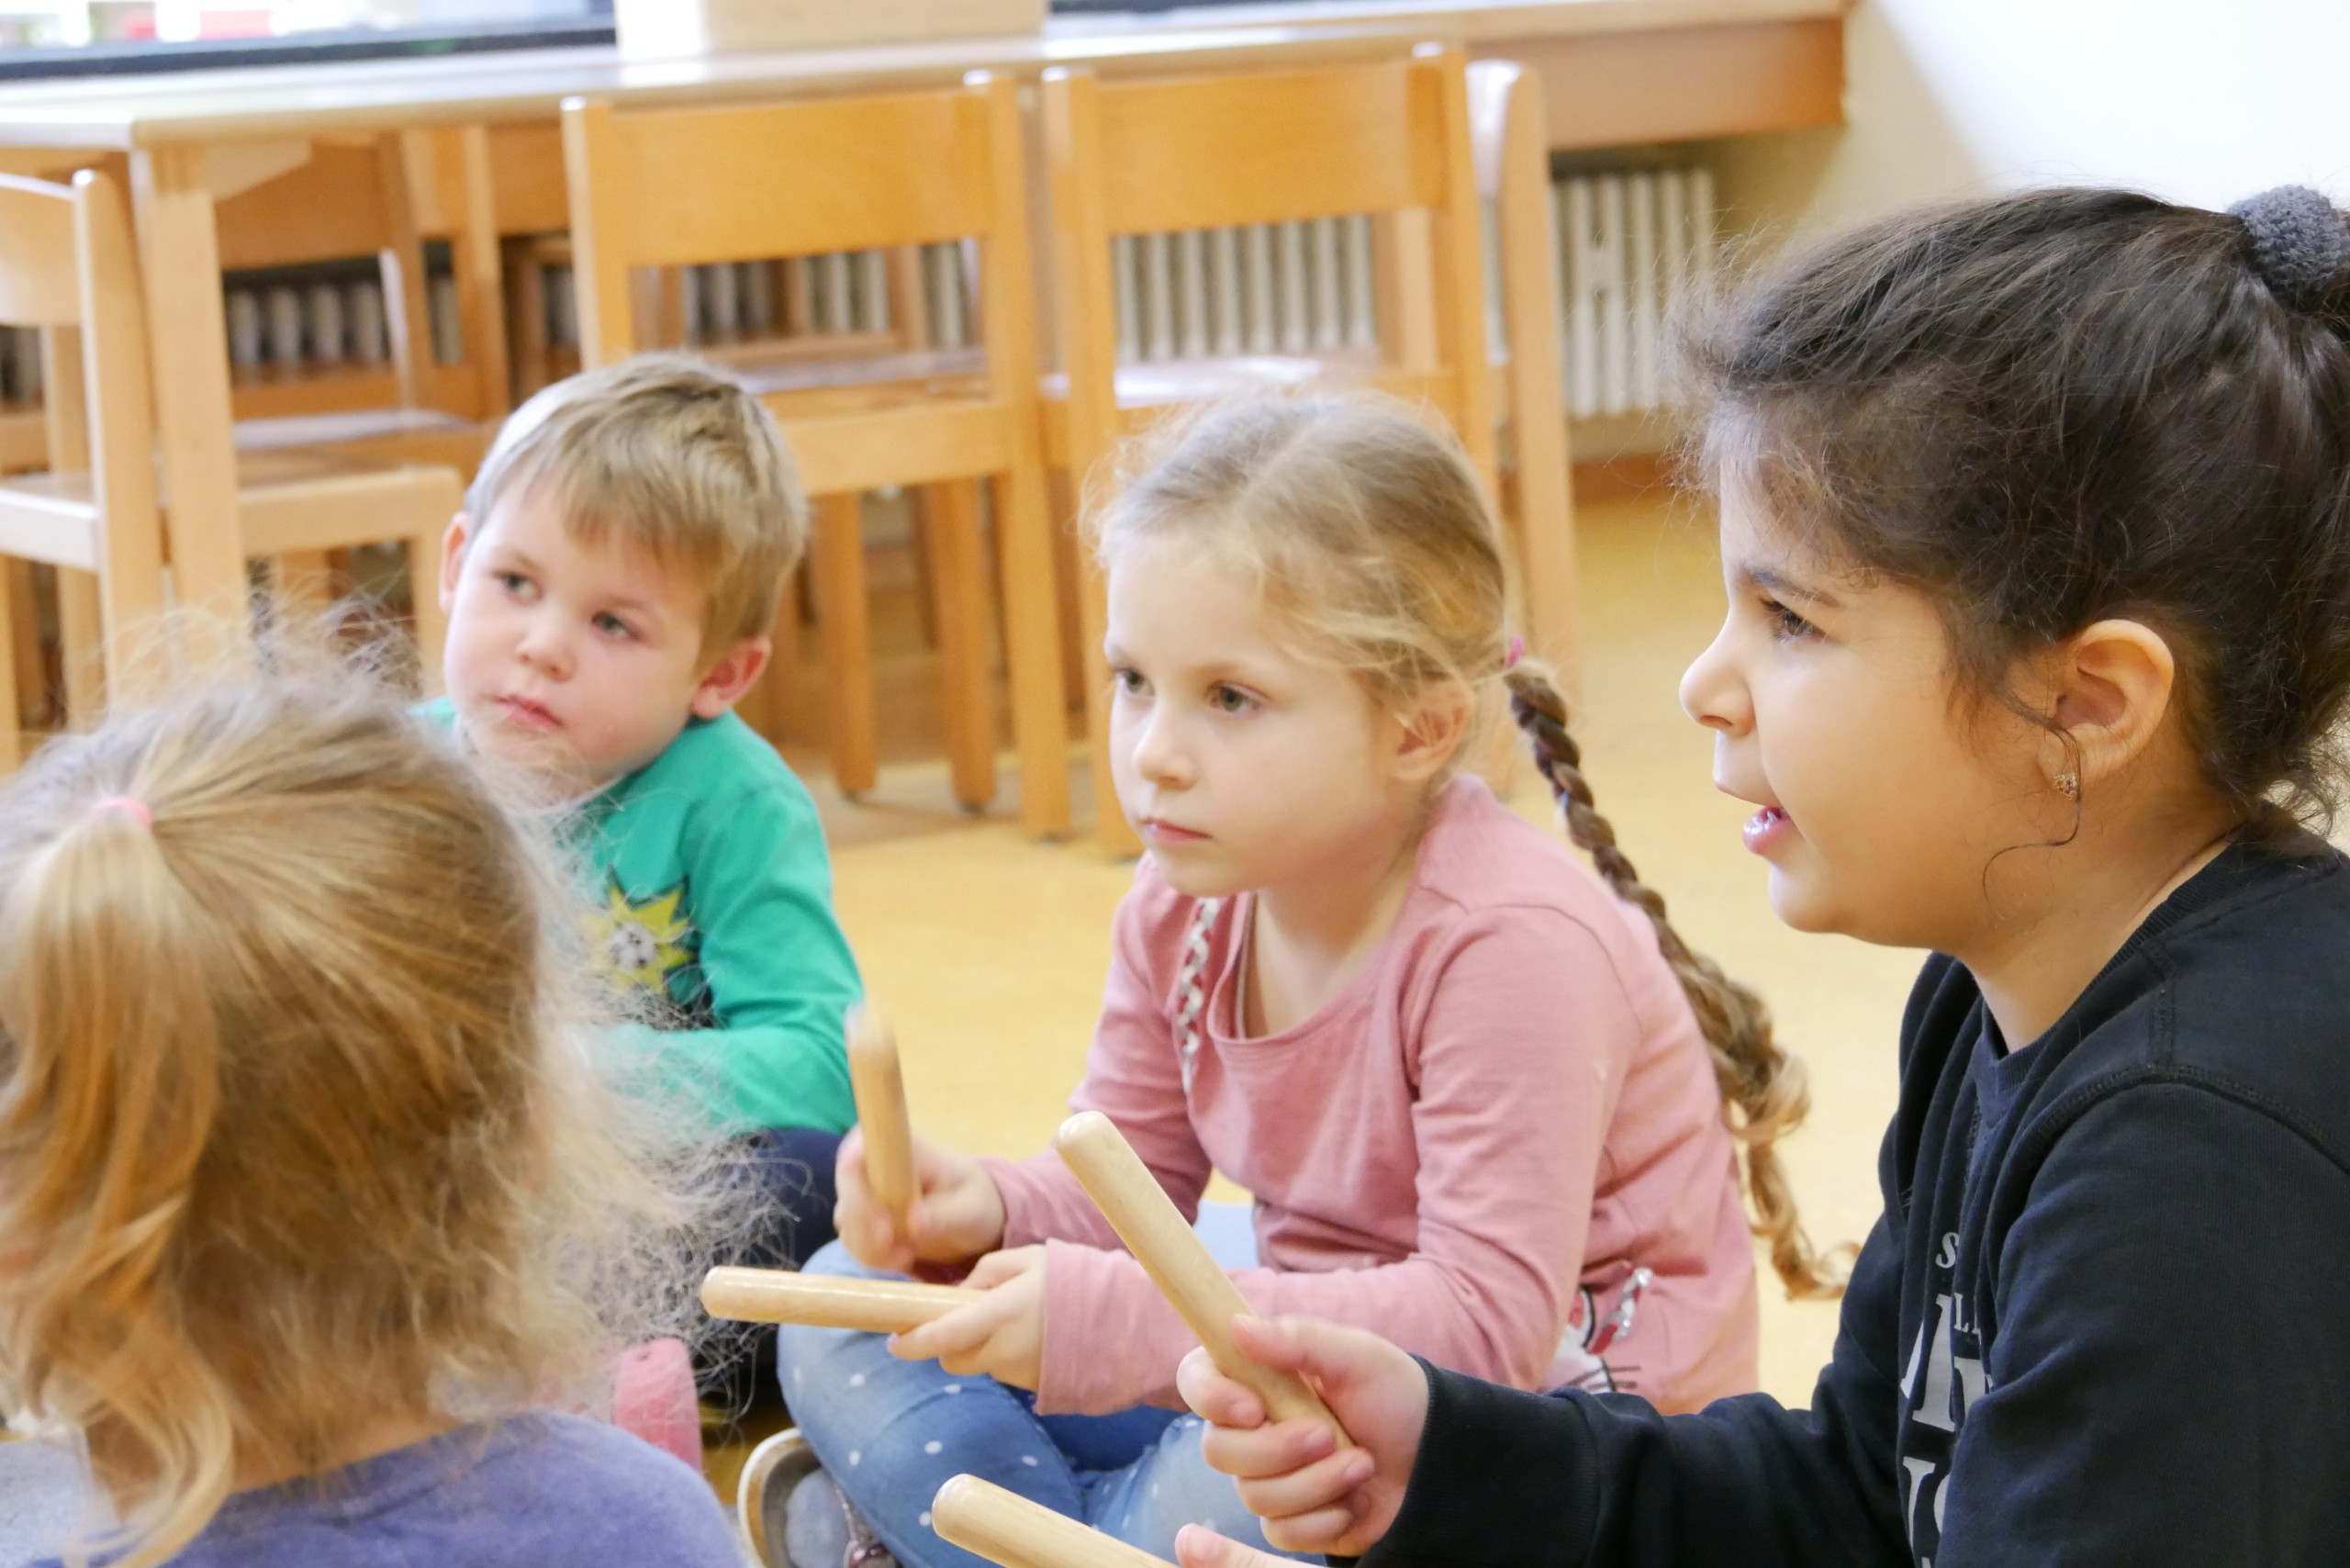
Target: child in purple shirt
[[520, 1493], [308, 1198]]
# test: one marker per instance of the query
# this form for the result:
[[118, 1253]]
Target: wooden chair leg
[[1032, 649], [839, 563], [958, 578], [783, 669], [303, 583], [767, 706], [1069, 572], [526, 309], [428, 621], [81, 637], [918, 515], [28, 668], [13, 710]]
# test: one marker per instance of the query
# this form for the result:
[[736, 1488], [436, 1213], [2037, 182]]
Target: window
[[59, 38], [46, 37]]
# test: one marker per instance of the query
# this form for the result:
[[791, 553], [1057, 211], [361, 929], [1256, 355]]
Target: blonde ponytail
[[109, 1105]]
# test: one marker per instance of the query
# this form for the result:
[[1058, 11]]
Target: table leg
[[180, 263]]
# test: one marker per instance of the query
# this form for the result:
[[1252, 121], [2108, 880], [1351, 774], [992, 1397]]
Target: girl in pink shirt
[[1467, 1082]]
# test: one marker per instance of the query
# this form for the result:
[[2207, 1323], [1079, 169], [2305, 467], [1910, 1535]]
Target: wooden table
[[1615, 72]]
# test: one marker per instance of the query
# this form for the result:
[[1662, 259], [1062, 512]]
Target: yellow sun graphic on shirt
[[642, 943]]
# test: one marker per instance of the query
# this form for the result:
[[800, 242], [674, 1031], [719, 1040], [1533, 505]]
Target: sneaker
[[794, 1516]]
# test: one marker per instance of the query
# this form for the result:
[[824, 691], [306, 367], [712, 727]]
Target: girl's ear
[[2109, 690], [1430, 730]]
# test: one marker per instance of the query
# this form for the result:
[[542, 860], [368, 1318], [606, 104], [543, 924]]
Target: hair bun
[[2299, 242]]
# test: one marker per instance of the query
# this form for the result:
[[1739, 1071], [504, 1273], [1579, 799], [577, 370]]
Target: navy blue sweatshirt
[[2104, 1318]]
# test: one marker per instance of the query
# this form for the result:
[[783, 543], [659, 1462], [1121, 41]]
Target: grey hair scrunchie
[[2299, 242]]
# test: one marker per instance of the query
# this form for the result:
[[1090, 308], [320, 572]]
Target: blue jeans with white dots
[[891, 1432]]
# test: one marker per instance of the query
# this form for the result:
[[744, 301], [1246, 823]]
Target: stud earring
[[2068, 785]]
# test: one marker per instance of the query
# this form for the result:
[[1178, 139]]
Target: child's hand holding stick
[[1312, 1494], [905, 1202], [1178, 1261]]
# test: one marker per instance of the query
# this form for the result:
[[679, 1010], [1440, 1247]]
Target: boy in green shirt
[[609, 588]]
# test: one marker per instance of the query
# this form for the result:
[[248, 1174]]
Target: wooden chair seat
[[913, 374], [291, 501], [356, 424], [373, 437]]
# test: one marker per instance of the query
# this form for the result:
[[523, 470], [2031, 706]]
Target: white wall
[[2203, 101]]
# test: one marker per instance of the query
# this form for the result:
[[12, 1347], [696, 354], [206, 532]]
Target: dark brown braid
[[1762, 1086]]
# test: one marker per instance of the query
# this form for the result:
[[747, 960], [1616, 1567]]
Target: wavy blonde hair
[[297, 1124], [1369, 534]]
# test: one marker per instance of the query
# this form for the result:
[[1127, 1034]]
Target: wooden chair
[[686, 187], [381, 197], [70, 269], [1132, 158], [377, 196], [66, 268], [1513, 159]]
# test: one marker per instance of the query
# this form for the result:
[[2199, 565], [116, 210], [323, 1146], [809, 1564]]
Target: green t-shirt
[[711, 907]]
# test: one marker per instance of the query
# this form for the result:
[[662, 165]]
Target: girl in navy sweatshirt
[[2035, 523]]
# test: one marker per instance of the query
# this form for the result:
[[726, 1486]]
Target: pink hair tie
[[129, 806], [1517, 652]]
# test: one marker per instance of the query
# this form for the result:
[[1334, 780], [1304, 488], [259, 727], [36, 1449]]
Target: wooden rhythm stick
[[880, 1091], [1178, 1261], [820, 1301], [1005, 1528]]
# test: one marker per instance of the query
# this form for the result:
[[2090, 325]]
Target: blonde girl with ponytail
[[307, 1195], [1476, 1091]]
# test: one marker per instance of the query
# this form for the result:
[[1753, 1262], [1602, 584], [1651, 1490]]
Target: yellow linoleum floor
[[987, 950]]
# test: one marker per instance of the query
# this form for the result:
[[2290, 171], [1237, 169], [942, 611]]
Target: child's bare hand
[[958, 1216], [1196, 1546], [1312, 1495], [1001, 1335]]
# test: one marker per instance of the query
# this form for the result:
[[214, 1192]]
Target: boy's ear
[[1431, 730], [453, 555], [723, 684]]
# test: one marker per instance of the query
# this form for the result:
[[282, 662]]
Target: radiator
[[1629, 244], [1278, 288], [295, 324]]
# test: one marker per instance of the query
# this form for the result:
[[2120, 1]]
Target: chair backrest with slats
[[1388, 139], [684, 187], [382, 198]]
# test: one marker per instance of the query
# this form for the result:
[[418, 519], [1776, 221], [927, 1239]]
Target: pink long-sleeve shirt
[[1509, 1105]]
